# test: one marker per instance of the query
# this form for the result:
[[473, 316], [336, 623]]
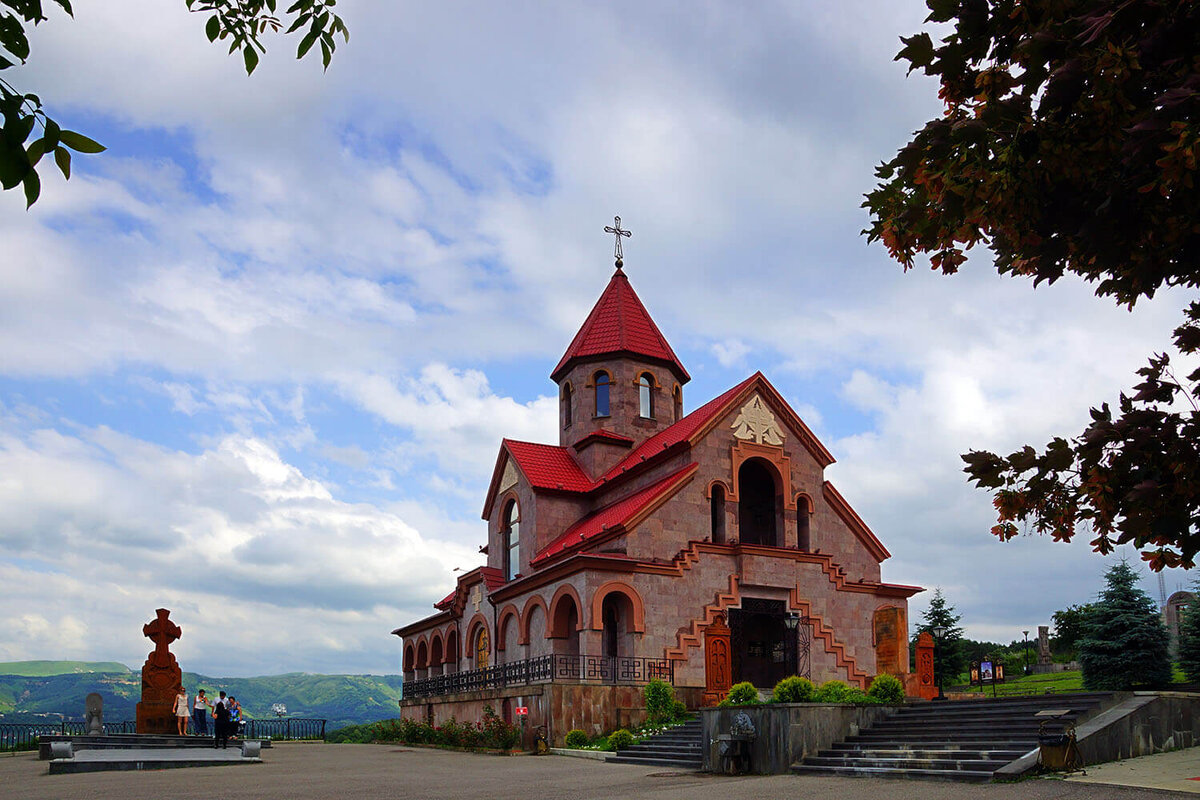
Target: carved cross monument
[[161, 677]]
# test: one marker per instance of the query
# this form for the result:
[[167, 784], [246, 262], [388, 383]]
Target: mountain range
[[40, 689]]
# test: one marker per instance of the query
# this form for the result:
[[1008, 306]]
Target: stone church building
[[704, 548]]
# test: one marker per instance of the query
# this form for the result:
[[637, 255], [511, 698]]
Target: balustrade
[[546, 669]]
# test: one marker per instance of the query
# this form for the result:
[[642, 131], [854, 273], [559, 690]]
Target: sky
[[257, 358]]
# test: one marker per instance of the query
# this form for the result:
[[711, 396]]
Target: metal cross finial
[[615, 230]]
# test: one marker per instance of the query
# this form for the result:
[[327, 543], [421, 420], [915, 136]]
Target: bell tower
[[619, 382]]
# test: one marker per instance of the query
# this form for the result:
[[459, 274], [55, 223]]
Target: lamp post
[[791, 622], [1026, 651], [938, 632]]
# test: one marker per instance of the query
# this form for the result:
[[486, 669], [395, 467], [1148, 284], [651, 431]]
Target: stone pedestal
[[161, 678]]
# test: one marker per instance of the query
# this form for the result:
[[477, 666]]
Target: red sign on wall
[[522, 711]]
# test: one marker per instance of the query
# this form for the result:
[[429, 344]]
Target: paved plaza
[[365, 772]]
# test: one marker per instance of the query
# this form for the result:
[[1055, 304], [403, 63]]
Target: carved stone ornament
[[756, 422]]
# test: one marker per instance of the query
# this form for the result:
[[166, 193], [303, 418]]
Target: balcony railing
[[546, 669]]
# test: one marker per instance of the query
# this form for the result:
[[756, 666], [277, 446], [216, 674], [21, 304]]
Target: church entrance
[[764, 649]]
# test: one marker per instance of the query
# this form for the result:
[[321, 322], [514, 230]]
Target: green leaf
[[80, 143], [62, 157], [299, 23], [307, 42], [213, 28], [51, 134], [33, 187], [36, 151], [251, 57]]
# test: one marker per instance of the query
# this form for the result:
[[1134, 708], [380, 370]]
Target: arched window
[[566, 405], [482, 647], [718, 513], [803, 537], [758, 506], [512, 540], [646, 396], [677, 398], [603, 384]]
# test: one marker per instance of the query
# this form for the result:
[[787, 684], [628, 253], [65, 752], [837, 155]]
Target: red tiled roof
[[446, 601], [493, 578], [615, 516], [680, 431], [548, 466], [619, 323]]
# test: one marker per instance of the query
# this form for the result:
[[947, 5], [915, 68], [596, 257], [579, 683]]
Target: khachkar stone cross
[[617, 232], [161, 677]]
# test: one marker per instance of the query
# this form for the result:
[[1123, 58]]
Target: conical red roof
[[619, 325]]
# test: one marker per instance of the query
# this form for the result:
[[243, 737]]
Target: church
[[701, 547]]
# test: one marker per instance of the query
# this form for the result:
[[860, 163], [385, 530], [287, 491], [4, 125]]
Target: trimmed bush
[[660, 700], [679, 710], [793, 690], [887, 689], [620, 739], [741, 694], [833, 692], [576, 738]]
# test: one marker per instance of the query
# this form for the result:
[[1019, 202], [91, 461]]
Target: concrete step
[[673, 763], [951, 764], [841, 750], [980, 776]]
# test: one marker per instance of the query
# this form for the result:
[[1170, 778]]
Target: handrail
[[554, 668]]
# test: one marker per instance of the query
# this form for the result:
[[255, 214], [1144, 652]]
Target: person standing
[[181, 711], [200, 713], [221, 724]]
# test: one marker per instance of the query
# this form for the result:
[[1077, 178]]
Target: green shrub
[[887, 689], [741, 694], [660, 699], [833, 692], [678, 710], [859, 697], [357, 734], [793, 690], [620, 739], [498, 733], [576, 738]]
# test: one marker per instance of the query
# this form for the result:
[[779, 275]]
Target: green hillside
[[340, 699], [41, 669]]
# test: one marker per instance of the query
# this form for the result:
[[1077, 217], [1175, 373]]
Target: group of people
[[226, 713]]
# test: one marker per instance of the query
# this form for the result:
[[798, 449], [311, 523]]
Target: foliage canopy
[[243, 23], [1069, 143], [948, 657]]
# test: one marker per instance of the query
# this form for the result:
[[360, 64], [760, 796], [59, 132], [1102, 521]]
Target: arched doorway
[[617, 615], [564, 626], [758, 504]]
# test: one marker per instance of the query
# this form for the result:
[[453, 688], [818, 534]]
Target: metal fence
[[546, 669], [24, 735], [286, 728]]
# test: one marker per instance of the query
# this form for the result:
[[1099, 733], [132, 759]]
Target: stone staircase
[[958, 740], [676, 748]]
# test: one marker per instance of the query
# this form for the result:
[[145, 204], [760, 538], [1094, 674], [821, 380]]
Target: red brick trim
[[693, 636], [509, 610], [639, 610], [532, 602], [566, 590], [832, 646], [854, 522]]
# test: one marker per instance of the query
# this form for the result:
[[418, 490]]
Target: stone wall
[[561, 707], [787, 732]]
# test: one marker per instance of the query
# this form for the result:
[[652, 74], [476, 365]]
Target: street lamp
[[791, 622], [938, 632], [1026, 651]]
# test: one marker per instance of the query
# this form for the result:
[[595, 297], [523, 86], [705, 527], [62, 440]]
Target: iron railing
[[286, 728], [546, 669], [24, 735]]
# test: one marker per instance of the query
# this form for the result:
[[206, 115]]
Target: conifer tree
[[1126, 644], [948, 660], [1189, 637]]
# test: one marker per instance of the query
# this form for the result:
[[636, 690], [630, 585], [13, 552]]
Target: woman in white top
[[200, 713], [181, 711]]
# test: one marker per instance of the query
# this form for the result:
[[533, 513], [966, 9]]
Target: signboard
[[522, 711]]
